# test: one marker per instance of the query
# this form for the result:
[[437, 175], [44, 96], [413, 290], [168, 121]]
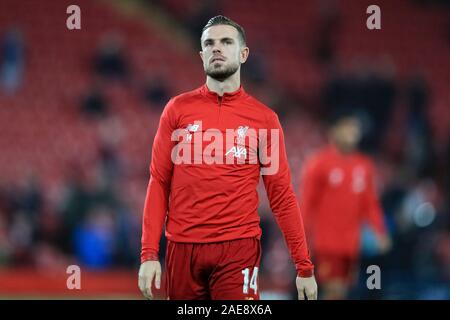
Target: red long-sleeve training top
[[204, 202], [337, 195]]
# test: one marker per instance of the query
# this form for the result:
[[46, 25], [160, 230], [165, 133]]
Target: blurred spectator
[[380, 90], [95, 105], [12, 61], [370, 90], [95, 238], [419, 149], [5, 246], [128, 239], [110, 61], [110, 133], [31, 197], [325, 37], [156, 92], [75, 205], [49, 228], [21, 237]]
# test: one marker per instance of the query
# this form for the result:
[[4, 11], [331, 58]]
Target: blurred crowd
[[88, 220]]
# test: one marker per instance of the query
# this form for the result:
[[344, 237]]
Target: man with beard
[[210, 210]]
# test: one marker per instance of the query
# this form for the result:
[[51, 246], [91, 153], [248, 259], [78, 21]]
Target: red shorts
[[219, 271], [332, 267]]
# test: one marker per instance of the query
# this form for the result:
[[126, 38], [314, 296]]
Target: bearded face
[[221, 52], [221, 70]]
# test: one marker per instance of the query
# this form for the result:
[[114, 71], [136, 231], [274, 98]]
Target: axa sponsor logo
[[237, 152]]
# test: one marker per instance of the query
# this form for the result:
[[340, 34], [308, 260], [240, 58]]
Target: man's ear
[[244, 54], [201, 54]]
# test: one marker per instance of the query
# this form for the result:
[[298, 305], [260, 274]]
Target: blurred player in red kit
[[337, 196], [209, 208]]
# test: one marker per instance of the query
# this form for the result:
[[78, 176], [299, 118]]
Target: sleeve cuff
[[149, 256]]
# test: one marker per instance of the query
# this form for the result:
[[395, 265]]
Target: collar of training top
[[227, 96]]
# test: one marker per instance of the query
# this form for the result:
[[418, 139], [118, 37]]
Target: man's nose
[[216, 49]]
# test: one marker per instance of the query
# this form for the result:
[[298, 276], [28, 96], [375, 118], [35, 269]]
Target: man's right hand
[[148, 271]]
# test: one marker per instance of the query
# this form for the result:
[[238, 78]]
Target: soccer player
[[337, 196], [210, 209]]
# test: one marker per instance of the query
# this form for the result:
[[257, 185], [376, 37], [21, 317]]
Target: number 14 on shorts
[[253, 280]]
